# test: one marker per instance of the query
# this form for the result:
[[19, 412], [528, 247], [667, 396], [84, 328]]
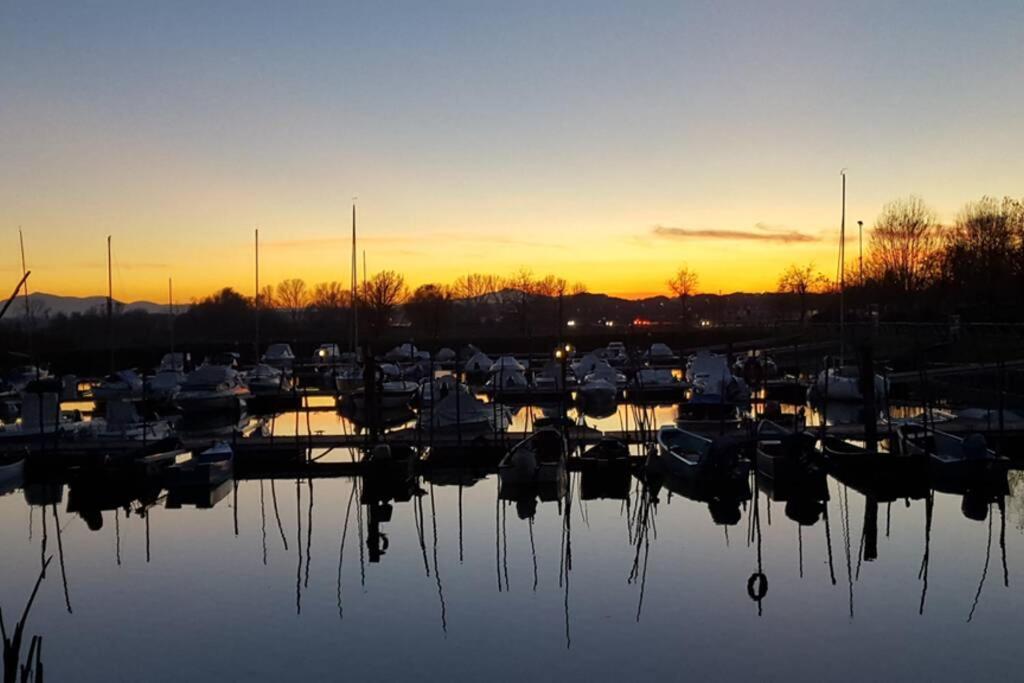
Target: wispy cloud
[[760, 233], [405, 240]]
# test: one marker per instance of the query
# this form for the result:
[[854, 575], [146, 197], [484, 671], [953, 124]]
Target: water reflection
[[571, 570]]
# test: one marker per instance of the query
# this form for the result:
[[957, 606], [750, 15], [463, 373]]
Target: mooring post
[[867, 390], [870, 529]]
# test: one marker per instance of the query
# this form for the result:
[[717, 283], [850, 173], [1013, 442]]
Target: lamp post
[[860, 248]]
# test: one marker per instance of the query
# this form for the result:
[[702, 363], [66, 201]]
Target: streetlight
[[860, 248]]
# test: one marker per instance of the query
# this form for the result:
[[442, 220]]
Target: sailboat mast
[[24, 269], [110, 302], [256, 298], [170, 312], [355, 283], [842, 275]]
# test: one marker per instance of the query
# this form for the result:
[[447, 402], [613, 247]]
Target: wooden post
[[867, 390]]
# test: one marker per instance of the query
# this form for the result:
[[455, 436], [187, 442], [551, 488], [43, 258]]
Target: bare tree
[[478, 286], [578, 287], [683, 284], [293, 296], [524, 285], [984, 249], [266, 297], [429, 307], [329, 296], [380, 294], [802, 280], [904, 244]]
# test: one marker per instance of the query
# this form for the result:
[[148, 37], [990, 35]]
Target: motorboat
[[347, 378], [588, 364], [554, 377], [268, 380], [12, 469], [755, 369], [608, 452], [611, 375], [41, 415], [406, 353], [118, 385], [478, 367], [538, 460], [709, 373], [843, 384], [326, 356], [279, 356], [174, 360], [121, 421], [691, 455], [708, 412], [615, 354], [445, 356], [460, 411], [387, 394], [659, 353], [784, 454], [433, 389], [655, 384], [950, 456], [212, 389], [600, 390], [18, 378], [605, 470], [507, 380], [208, 468]]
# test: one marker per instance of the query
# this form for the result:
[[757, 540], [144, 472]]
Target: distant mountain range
[[43, 305]]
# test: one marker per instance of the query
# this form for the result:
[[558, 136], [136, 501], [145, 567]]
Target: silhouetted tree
[[292, 295], [903, 246], [984, 249], [683, 285], [224, 315], [802, 281], [429, 308], [329, 296], [380, 294]]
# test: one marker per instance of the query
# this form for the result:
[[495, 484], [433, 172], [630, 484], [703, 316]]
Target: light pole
[[860, 248]]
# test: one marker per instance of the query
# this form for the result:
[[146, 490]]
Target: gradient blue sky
[[488, 136]]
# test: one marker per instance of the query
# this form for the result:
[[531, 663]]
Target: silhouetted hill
[[44, 304]]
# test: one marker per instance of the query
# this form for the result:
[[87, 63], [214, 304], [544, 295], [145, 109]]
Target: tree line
[[914, 266]]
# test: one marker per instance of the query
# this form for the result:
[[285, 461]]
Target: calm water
[[466, 589]]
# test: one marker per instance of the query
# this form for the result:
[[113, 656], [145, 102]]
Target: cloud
[[405, 239], [760, 233]]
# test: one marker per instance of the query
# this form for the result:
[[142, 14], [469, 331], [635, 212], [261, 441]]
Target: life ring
[[757, 586]]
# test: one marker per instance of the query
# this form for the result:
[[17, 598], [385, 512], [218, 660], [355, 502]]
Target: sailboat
[[842, 383], [348, 376]]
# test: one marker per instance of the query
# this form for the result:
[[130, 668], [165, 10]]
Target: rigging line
[[417, 518], [1002, 539], [341, 549], [298, 541], [117, 535], [60, 556], [359, 522], [504, 543], [263, 519], [309, 533], [437, 573], [533, 554], [984, 571], [277, 514]]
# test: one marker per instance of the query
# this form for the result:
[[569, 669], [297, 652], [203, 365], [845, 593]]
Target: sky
[[605, 142]]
